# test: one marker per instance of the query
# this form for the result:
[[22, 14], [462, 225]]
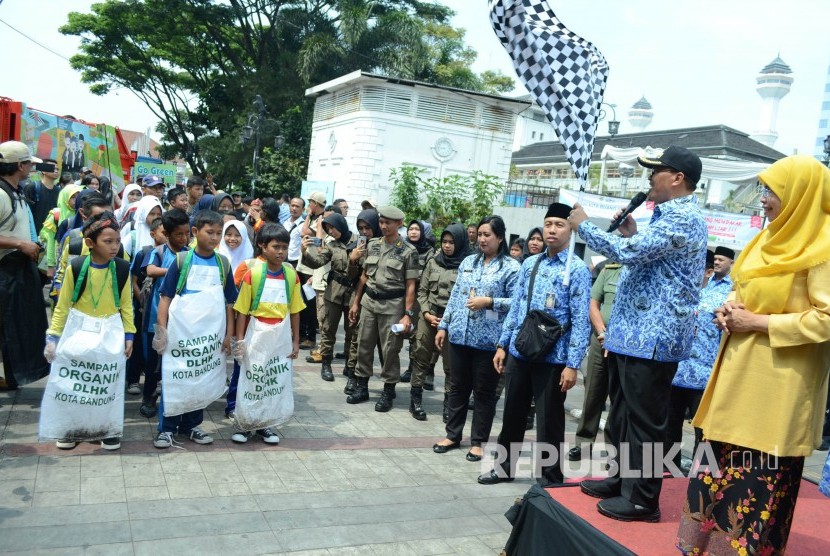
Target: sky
[[696, 62]]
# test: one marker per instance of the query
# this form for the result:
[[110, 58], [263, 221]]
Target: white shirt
[[296, 237]]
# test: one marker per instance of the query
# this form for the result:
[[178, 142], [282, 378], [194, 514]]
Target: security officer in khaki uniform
[[437, 280], [341, 281], [368, 226], [385, 296]]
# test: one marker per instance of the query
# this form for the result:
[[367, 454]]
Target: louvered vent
[[496, 119]]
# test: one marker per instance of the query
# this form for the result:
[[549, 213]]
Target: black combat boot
[[360, 393], [446, 412], [325, 371], [349, 388], [415, 401], [407, 376], [384, 404]]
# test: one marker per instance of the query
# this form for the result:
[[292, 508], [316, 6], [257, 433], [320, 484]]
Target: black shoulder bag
[[539, 331]]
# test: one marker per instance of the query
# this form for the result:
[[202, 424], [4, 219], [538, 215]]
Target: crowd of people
[[671, 330]]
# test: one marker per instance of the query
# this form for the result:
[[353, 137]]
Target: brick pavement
[[344, 480]]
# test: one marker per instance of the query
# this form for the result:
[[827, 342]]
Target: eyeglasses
[[764, 192]]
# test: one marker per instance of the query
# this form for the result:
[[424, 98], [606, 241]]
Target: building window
[[533, 135], [541, 137], [822, 124], [825, 105]]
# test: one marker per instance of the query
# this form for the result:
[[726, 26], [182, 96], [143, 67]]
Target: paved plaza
[[344, 480]]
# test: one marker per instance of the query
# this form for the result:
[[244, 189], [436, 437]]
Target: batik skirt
[[742, 503]]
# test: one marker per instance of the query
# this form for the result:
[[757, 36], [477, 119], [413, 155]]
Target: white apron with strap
[[265, 391], [193, 370], [84, 397]]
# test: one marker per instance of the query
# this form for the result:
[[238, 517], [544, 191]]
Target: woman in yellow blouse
[[763, 407]]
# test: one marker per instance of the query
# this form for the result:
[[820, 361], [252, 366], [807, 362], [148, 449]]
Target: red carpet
[[810, 533]]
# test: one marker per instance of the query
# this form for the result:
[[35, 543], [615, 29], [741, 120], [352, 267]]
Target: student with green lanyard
[[101, 290], [268, 316], [195, 312]]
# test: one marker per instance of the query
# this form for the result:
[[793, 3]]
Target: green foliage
[[198, 65], [406, 191], [454, 198]]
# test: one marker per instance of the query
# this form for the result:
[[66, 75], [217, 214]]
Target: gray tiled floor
[[345, 480]]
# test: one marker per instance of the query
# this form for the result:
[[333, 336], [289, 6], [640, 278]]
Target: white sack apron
[[265, 391], [193, 371], [84, 396]]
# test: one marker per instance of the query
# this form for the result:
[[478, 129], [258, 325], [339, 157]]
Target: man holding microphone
[[651, 327]]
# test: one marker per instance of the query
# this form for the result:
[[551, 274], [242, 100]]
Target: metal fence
[[517, 194]]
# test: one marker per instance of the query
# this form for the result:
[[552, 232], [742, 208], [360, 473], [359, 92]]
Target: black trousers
[[681, 401], [135, 364], [308, 316], [472, 371], [540, 382], [640, 391]]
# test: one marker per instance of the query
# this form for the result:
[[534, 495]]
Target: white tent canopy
[[735, 171]]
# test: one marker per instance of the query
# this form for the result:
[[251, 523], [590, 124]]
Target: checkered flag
[[564, 73]]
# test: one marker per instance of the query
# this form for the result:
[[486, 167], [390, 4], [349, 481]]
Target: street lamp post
[[827, 151], [626, 172], [253, 130], [613, 124]]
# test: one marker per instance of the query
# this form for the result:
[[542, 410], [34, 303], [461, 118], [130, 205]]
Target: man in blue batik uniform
[[693, 373], [651, 328], [548, 381]]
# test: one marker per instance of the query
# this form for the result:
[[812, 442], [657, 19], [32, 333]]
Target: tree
[[200, 80]]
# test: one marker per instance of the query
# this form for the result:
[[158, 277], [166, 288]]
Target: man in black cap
[[540, 287], [651, 328], [693, 373]]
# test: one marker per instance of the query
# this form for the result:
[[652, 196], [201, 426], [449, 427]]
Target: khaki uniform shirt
[[335, 254], [387, 268], [435, 288]]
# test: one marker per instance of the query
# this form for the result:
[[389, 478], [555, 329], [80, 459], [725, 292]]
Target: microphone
[[632, 206]]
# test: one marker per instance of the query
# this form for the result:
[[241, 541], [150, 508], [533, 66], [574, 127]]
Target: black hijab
[[422, 245], [525, 251], [218, 198], [370, 216], [462, 247], [339, 223]]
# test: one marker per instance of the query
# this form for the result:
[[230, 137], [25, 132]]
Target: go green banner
[[166, 172]]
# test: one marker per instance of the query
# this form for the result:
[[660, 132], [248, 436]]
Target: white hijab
[[242, 253], [134, 242], [121, 212]]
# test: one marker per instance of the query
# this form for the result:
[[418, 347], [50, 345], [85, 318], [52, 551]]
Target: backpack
[[7, 188], [145, 295], [184, 261], [258, 277], [122, 274]]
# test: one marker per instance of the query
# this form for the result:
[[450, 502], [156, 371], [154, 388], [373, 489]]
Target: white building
[[365, 125], [824, 121]]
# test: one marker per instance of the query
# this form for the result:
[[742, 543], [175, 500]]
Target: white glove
[[238, 349], [49, 351], [160, 339]]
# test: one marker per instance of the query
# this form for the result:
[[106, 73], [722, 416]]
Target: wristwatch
[[409, 313]]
